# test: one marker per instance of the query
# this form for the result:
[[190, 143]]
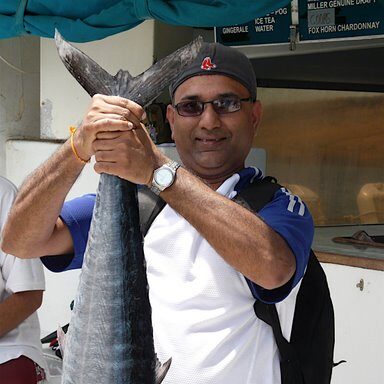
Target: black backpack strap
[[291, 372], [308, 357], [150, 206], [257, 195], [313, 329]]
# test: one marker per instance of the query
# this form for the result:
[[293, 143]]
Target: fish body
[[110, 338]]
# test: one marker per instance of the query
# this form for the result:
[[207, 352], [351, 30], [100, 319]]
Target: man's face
[[213, 145]]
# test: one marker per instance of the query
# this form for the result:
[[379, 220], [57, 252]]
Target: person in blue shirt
[[203, 244]]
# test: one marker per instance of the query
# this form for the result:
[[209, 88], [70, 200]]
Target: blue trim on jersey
[[77, 215], [297, 229], [247, 176], [286, 214]]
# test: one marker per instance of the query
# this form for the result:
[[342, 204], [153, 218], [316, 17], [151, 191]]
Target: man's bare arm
[[238, 235], [16, 308], [33, 228]]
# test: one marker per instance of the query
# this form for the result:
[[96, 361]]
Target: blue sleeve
[[288, 216], [77, 215]]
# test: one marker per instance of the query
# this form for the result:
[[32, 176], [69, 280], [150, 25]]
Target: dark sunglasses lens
[[189, 108], [227, 105]]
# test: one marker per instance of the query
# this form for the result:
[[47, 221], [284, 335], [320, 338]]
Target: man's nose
[[209, 119]]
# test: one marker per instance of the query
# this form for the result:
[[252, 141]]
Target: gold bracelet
[[72, 130]]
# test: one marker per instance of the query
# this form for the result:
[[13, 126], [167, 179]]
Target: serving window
[[327, 147]]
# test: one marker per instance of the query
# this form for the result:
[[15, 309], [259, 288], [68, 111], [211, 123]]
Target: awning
[[89, 20]]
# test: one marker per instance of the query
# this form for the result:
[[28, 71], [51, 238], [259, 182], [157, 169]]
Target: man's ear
[[171, 117], [257, 113]]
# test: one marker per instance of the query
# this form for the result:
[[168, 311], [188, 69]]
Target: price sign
[[335, 19]]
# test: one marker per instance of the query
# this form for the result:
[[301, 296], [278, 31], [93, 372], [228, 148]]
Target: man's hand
[[113, 132], [106, 114]]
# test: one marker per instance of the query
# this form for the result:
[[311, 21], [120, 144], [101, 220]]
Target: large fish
[[110, 338]]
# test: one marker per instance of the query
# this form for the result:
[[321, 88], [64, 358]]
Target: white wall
[[359, 319], [63, 100], [19, 92]]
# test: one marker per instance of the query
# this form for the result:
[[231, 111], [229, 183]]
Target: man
[[21, 292], [202, 244]]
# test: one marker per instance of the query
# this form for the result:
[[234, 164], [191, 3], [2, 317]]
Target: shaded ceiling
[[355, 70]]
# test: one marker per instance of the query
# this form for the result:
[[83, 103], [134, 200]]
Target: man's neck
[[215, 181]]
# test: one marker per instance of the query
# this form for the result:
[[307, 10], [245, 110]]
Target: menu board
[[269, 29], [332, 19], [318, 20]]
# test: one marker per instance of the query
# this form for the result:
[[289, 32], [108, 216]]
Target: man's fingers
[[107, 167], [134, 108], [109, 124], [127, 117], [107, 141], [101, 136], [114, 168], [107, 115], [114, 107], [105, 156], [111, 135]]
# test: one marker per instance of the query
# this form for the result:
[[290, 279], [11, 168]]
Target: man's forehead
[[209, 85]]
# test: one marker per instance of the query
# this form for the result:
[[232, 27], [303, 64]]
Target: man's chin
[[212, 170], [210, 165]]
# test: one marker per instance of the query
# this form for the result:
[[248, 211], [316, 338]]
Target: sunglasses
[[190, 108]]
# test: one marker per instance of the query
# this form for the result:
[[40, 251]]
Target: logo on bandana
[[207, 64]]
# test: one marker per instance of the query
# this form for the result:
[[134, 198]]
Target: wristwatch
[[164, 177]]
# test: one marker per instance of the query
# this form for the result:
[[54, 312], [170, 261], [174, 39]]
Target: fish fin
[[148, 85], [124, 80], [142, 89], [61, 339], [123, 77], [91, 76], [161, 369]]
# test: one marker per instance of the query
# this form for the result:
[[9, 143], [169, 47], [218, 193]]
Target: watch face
[[164, 177]]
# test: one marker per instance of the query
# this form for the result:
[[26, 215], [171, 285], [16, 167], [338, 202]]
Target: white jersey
[[19, 275], [202, 309]]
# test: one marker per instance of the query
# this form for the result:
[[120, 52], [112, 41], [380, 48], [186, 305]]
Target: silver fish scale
[[110, 337], [102, 332]]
